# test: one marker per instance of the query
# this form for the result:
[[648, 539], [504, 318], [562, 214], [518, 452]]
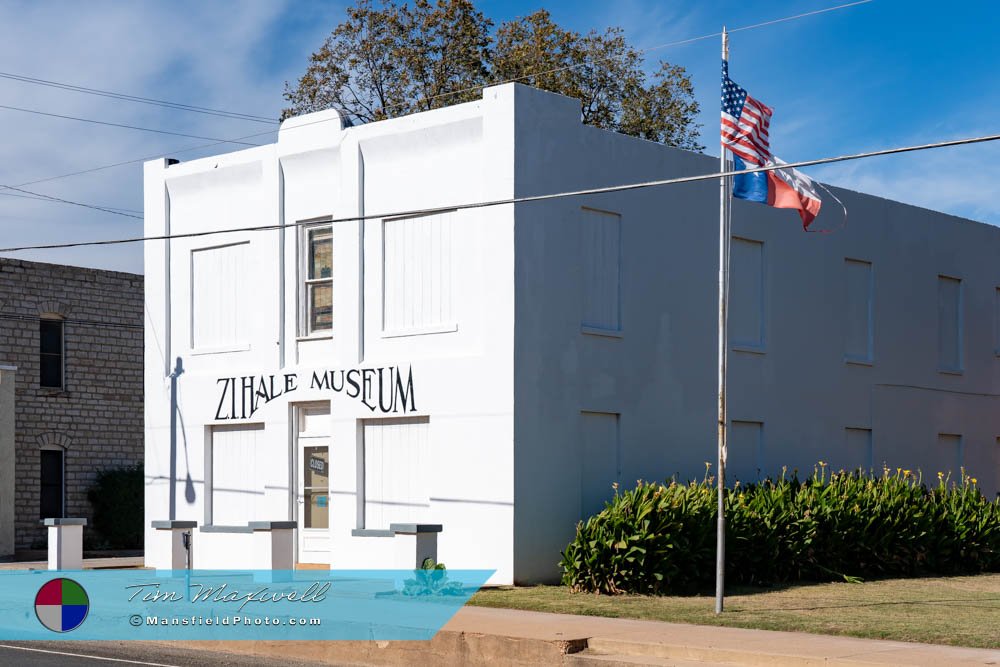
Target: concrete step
[[707, 654], [590, 658]]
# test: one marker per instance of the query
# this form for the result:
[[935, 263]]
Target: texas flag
[[745, 123]]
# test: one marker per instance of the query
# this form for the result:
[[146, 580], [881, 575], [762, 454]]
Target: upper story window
[[317, 288], [50, 353]]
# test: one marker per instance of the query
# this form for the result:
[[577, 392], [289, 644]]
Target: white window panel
[[600, 460], [237, 488], [859, 333], [746, 294], [601, 260], [396, 469], [949, 324], [417, 278], [218, 296], [745, 461]]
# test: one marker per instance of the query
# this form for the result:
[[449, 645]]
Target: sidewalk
[[116, 563], [478, 635]]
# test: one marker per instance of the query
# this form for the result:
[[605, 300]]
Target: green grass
[[960, 611]]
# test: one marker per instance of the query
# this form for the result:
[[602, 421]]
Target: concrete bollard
[[274, 544], [415, 542], [175, 545], [65, 543]]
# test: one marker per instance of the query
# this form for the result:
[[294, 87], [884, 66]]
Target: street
[[94, 654]]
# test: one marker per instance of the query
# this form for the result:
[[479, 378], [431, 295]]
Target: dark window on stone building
[[52, 484], [50, 353]]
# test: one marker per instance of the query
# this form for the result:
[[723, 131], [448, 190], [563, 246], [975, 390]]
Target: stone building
[[71, 344]]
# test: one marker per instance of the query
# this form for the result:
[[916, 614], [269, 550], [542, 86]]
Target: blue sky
[[887, 73]]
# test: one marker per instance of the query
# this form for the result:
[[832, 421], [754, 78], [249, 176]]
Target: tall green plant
[[117, 499], [660, 538]]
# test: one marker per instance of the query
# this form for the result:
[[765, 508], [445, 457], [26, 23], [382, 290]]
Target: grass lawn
[[963, 611]]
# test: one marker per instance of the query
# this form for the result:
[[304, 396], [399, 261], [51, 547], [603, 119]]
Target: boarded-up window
[[746, 293], [949, 323], [237, 488], [857, 452], [745, 461], [996, 322], [417, 280], [859, 335], [601, 259], [952, 457], [600, 460], [219, 296], [396, 468]]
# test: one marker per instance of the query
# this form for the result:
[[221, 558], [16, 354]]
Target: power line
[[642, 51], [526, 199], [238, 140], [38, 195], [92, 323], [121, 125], [135, 98], [43, 198]]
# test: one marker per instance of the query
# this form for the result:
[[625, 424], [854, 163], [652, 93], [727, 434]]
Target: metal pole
[[724, 237]]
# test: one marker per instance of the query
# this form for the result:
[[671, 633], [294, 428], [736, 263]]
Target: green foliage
[[432, 579], [117, 499], [387, 59], [660, 538]]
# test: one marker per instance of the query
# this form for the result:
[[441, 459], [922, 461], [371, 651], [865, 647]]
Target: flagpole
[[724, 237]]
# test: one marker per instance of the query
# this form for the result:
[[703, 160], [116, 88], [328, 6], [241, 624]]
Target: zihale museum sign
[[387, 390]]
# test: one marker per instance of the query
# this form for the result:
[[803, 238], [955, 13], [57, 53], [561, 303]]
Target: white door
[[313, 482]]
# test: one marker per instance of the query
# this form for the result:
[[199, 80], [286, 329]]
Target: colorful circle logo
[[61, 605]]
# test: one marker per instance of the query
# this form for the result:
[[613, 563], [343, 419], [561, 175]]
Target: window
[[50, 353], [949, 324], [857, 451], [951, 454], [51, 497], [417, 278], [317, 273], [218, 305], [600, 460], [745, 460], [236, 491], [601, 259], [746, 295], [396, 465], [859, 336]]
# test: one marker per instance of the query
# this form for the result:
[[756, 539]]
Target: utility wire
[[526, 199], [136, 98], [38, 195], [121, 125], [452, 93], [640, 51], [92, 323], [44, 198]]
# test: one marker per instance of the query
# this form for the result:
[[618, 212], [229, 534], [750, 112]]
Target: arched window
[[52, 494]]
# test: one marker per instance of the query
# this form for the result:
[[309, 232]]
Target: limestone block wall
[[97, 417]]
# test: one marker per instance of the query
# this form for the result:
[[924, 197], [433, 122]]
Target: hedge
[[117, 499], [660, 538]]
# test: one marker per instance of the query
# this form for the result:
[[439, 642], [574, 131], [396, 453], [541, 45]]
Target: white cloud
[[227, 55]]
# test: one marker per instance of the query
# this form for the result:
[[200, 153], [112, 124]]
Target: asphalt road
[[123, 654]]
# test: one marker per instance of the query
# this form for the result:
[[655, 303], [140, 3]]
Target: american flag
[[745, 122]]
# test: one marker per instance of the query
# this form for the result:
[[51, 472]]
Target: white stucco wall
[[462, 375]]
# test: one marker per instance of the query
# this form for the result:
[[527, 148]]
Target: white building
[[495, 370]]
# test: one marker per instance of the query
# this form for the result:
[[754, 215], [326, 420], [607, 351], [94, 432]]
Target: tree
[[392, 60]]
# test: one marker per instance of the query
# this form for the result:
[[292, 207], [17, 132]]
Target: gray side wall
[[98, 417], [793, 394]]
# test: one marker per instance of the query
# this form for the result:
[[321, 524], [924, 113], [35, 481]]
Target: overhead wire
[[138, 99], [524, 199], [219, 142]]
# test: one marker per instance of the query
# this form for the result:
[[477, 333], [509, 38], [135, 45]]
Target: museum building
[[361, 355]]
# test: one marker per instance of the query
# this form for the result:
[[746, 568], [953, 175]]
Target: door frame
[[295, 485]]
